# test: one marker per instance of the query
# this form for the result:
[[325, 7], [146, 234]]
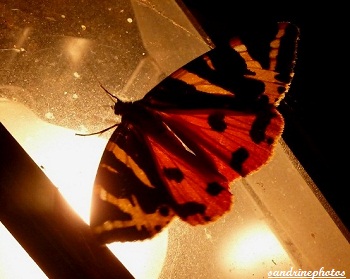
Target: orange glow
[[75, 48], [252, 247]]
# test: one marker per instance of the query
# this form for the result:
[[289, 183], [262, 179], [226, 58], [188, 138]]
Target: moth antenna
[[113, 97], [99, 132]]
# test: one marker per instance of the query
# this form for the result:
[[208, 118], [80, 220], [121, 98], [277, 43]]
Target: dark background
[[315, 107]]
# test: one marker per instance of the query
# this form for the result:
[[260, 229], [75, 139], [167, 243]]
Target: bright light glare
[[153, 252], [252, 248], [14, 261], [70, 162]]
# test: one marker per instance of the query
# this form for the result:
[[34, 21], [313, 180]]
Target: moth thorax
[[121, 107]]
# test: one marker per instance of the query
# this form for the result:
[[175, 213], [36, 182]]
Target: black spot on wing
[[238, 158], [269, 140], [214, 188], [217, 122], [158, 228], [260, 124], [190, 208], [207, 218], [173, 174], [281, 89], [164, 210]]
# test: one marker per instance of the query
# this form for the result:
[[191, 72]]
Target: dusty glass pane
[[53, 57]]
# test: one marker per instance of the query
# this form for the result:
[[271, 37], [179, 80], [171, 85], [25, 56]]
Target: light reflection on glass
[[75, 48], [153, 252], [252, 247], [70, 162]]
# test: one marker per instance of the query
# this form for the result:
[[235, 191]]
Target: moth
[[176, 151]]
